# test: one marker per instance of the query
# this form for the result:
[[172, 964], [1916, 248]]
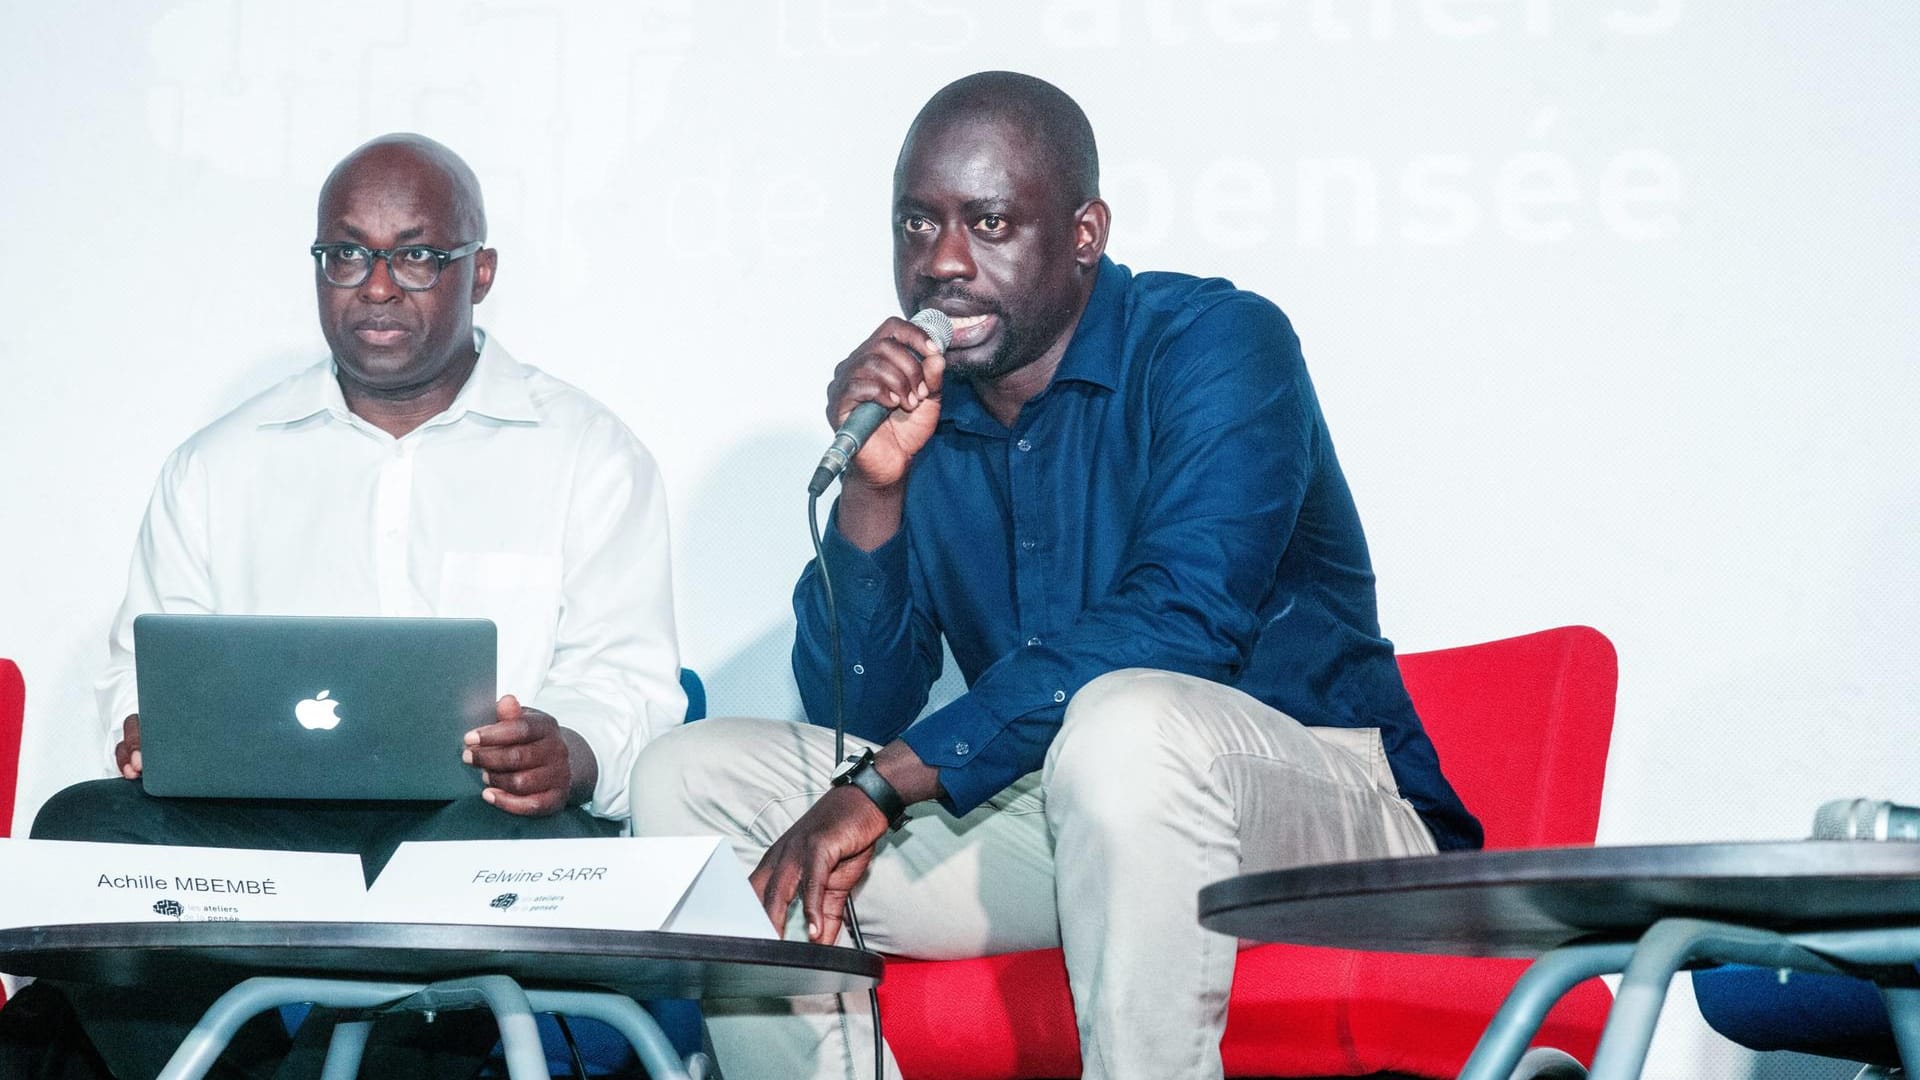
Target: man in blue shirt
[[1115, 497]]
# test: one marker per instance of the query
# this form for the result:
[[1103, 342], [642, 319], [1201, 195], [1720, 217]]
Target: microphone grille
[[936, 324], [1844, 819]]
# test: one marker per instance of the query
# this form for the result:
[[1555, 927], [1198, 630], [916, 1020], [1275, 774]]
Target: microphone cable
[[840, 754]]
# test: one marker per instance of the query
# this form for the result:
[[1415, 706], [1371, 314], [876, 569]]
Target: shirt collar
[[496, 388], [1095, 355]]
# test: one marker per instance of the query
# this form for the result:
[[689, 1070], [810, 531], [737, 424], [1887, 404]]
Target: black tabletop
[[641, 964], [1525, 902]]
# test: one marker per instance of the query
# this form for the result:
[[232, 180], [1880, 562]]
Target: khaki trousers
[[1156, 785]]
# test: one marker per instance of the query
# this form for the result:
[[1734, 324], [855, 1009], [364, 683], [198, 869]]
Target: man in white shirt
[[419, 471]]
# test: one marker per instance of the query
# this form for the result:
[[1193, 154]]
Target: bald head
[[403, 347], [413, 162], [1040, 113]]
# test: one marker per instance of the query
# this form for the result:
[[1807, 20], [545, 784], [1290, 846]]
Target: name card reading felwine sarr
[[693, 884]]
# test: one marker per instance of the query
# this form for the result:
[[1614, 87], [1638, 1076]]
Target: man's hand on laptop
[[531, 764], [126, 754]]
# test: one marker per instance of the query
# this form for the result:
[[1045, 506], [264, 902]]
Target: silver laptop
[[286, 707]]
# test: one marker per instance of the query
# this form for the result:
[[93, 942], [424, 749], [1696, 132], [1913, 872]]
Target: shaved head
[[1042, 114], [396, 347], [417, 161]]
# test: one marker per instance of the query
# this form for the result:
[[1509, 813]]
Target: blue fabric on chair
[[696, 694], [1831, 1015]]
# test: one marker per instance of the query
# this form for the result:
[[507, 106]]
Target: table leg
[[624, 1015], [1662, 951], [519, 1035], [1546, 981], [345, 1049], [215, 1029], [1903, 1011]]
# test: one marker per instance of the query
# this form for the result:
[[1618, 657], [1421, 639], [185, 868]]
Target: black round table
[[1645, 911], [515, 971], [1525, 902], [652, 964]]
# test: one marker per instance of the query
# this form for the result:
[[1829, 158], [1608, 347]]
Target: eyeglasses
[[415, 268]]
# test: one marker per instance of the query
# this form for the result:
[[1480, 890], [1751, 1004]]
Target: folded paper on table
[[687, 884], [55, 882]]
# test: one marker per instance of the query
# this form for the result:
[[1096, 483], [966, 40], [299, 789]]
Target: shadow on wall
[[746, 543]]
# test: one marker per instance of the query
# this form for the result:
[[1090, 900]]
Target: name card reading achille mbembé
[[693, 884], [69, 882]]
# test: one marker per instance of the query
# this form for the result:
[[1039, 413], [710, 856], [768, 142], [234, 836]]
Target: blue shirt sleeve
[[883, 631], [1234, 432]]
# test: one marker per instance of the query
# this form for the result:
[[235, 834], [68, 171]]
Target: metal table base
[[513, 1008]]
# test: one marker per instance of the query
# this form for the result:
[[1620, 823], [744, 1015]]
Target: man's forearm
[[868, 517]]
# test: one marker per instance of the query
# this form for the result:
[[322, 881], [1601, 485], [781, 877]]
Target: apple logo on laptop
[[316, 713]]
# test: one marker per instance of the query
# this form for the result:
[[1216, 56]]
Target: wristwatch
[[861, 774]]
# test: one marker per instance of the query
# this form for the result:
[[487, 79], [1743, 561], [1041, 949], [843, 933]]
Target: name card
[[53, 882], [692, 884]]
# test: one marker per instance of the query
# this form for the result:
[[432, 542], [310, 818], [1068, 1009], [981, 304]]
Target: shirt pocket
[[520, 592]]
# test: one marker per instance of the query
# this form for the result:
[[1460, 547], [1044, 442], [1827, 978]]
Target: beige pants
[[1156, 785]]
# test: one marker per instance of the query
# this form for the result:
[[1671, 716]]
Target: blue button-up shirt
[[1171, 500]]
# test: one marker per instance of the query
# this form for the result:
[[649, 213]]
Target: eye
[[991, 223], [416, 256], [350, 254], [914, 223]]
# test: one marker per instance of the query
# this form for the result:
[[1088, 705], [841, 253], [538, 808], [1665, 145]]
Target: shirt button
[[1023, 446], [961, 749], [859, 669], [870, 582], [1032, 641], [1059, 695], [1028, 545]]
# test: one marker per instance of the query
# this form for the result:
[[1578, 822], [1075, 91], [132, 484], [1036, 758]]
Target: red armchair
[[1522, 726], [13, 703]]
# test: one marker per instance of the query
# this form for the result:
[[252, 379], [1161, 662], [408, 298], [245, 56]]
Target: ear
[[485, 261], [1090, 224]]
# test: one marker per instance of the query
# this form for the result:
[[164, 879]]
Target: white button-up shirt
[[525, 502]]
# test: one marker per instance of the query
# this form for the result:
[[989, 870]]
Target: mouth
[[971, 330], [382, 334]]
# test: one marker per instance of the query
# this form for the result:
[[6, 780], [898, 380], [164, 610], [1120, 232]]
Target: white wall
[[1610, 304]]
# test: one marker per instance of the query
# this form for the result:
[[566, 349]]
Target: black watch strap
[[868, 779]]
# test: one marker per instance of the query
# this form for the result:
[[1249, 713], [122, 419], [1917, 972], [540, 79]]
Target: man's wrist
[[875, 787], [583, 769], [915, 780], [867, 517]]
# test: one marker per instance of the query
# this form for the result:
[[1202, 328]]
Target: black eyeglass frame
[[440, 260]]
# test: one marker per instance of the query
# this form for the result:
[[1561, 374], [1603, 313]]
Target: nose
[[952, 256], [379, 287]]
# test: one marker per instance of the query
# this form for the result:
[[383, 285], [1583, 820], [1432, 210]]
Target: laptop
[[298, 707]]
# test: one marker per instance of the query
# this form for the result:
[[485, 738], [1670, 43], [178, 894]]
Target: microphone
[[1866, 819], [865, 418]]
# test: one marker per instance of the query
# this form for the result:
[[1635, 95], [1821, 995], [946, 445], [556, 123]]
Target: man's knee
[[1114, 717], [1110, 754], [684, 775], [113, 810]]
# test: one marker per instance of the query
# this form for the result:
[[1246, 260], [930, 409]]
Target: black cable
[[573, 1049], [840, 755]]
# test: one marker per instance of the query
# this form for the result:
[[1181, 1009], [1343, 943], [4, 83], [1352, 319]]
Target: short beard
[[1009, 356]]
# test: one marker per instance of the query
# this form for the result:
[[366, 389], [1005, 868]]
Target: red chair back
[[1522, 726], [13, 704]]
